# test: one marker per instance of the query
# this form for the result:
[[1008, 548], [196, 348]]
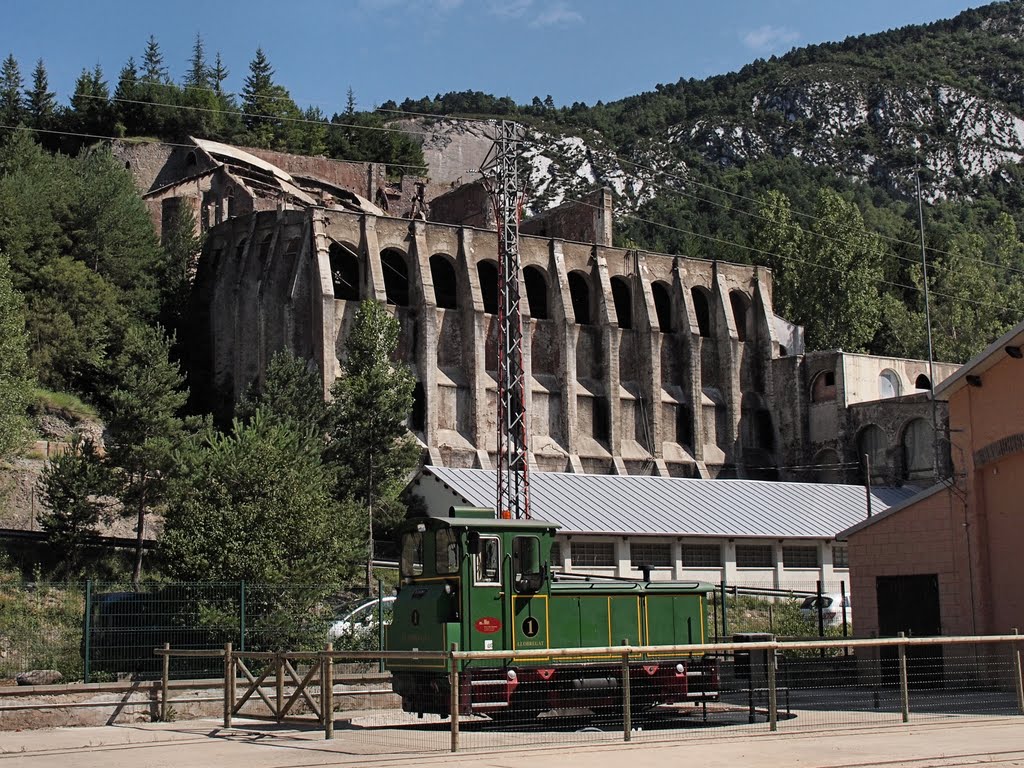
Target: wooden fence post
[[229, 688], [327, 689]]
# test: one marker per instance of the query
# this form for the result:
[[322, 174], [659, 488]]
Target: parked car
[[831, 609], [361, 622]]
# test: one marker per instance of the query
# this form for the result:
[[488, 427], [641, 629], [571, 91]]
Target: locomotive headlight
[[680, 669], [511, 674], [447, 588]]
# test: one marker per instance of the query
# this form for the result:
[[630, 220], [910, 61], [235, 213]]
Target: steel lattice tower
[[513, 498]]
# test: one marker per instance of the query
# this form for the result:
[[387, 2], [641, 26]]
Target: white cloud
[[512, 9], [768, 38], [557, 13]]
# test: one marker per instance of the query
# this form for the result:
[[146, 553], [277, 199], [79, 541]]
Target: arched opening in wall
[[487, 271], [293, 246], [922, 382], [232, 206], [663, 307], [344, 273], [127, 165], [827, 467], [918, 450], [240, 250], [265, 247], [889, 384], [418, 416], [442, 274], [601, 422], [190, 162], [823, 388], [622, 296], [684, 425], [702, 309], [782, 350], [742, 315], [536, 292], [396, 277], [579, 292], [764, 431], [871, 442]]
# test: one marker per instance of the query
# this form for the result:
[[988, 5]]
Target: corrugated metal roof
[[645, 505]]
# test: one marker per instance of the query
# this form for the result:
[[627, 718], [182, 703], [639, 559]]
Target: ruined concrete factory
[[637, 362]]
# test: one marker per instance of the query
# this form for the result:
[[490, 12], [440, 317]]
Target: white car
[[361, 621], [831, 609]]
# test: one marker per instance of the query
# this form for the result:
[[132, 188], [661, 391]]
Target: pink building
[[951, 559]]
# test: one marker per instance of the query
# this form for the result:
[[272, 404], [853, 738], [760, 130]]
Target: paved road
[[995, 742]]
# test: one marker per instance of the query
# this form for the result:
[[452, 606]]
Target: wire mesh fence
[[96, 631]]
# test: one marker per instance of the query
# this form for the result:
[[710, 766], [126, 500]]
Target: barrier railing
[[895, 672]]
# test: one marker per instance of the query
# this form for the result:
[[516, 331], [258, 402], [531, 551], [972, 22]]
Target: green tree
[[91, 110], [256, 504], [12, 108], [369, 446], [15, 381], [153, 69], [292, 393], [269, 114], [181, 258], [198, 75], [143, 424], [73, 488], [128, 95], [781, 242], [41, 102]]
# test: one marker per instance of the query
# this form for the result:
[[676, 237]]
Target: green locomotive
[[485, 584]]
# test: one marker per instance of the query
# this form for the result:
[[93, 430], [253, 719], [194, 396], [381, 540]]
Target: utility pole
[[928, 322], [513, 496]]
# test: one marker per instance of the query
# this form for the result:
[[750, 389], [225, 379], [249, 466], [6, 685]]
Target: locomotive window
[[412, 554], [446, 549], [488, 561], [526, 563]]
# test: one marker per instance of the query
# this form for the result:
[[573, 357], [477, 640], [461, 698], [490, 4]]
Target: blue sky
[[574, 50]]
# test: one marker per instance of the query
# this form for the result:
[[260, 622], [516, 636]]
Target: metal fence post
[[241, 616], [229, 676], [380, 622], [773, 704], [87, 632], [453, 682], [1018, 680], [327, 690], [165, 679], [904, 688], [725, 621], [627, 704]]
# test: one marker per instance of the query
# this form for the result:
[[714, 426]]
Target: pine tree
[[127, 95], [144, 425], [198, 72], [270, 115], [153, 70], [40, 102], [90, 103], [368, 442], [218, 74], [73, 487], [12, 109], [292, 392]]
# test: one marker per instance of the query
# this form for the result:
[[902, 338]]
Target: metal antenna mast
[[513, 499]]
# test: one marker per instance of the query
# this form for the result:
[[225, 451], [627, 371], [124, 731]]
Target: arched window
[[442, 274], [579, 291], [922, 382], [622, 296], [663, 306], [684, 425], [418, 417], [823, 388], [918, 450], [889, 384], [741, 315], [293, 246], [701, 310], [487, 271], [872, 442], [827, 467], [536, 292], [396, 277], [344, 273]]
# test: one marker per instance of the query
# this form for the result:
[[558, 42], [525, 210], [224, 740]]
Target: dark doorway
[[910, 604]]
